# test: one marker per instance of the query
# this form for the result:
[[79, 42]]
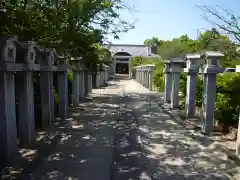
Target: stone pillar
[[238, 134], [114, 66], [175, 69], [150, 79], [190, 106], [106, 75], [90, 82], [136, 74], [98, 79], [75, 86], [63, 87], [144, 77], [238, 138], [210, 70], [47, 90], [86, 82], [25, 94], [147, 77], [94, 80], [129, 69], [102, 78], [193, 64], [139, 76], [8, 124], [81, 85], [168, 82]]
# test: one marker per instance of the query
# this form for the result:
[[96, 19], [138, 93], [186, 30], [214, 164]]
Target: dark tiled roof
[[133, 50]]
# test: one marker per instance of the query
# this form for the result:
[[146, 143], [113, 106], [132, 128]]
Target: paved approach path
[[124, 133]]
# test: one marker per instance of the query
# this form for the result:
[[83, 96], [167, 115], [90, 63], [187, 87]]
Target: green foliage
[[158, 76], [177, 47], [74, 28], [159, 80], [153, 43]]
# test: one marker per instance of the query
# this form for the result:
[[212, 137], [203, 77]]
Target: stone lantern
[[210, 69], [8, 49], [150, 69], [26, 52], [47, 58], [62, 63], [193, 62], [168, 81], [175, 69], [26, 57], [8, 123]]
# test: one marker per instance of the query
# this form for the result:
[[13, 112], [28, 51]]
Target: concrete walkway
[[124, 133]]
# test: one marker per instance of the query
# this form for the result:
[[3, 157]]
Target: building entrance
[[122, 68]]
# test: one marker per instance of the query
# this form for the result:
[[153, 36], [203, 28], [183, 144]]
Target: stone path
[[124, 133]]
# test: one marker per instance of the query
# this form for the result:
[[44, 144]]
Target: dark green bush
[[227, 99], [37, 95], [158, 81], [158, 76], [70, 77]]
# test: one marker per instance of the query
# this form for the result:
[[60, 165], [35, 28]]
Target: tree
[[226, 21], [72, 27], [177, 47], [154, 42]]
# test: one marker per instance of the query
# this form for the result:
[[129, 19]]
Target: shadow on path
[[123, 132], [86, 145], [174, 152]]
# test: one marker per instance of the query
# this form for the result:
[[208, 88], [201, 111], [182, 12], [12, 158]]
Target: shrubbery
[[158, 76]]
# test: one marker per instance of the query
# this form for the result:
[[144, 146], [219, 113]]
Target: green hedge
[[158, 76], [37, 96]]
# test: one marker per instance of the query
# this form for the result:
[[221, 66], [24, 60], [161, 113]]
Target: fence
[[26, 69]]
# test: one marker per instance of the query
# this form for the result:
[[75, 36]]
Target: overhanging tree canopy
[[73, 27]]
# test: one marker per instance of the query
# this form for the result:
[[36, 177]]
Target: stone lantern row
[[144, 75], [84, 81], [207, 64], [18, 62]]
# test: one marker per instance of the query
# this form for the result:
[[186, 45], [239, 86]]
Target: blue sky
[[167, 19]]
